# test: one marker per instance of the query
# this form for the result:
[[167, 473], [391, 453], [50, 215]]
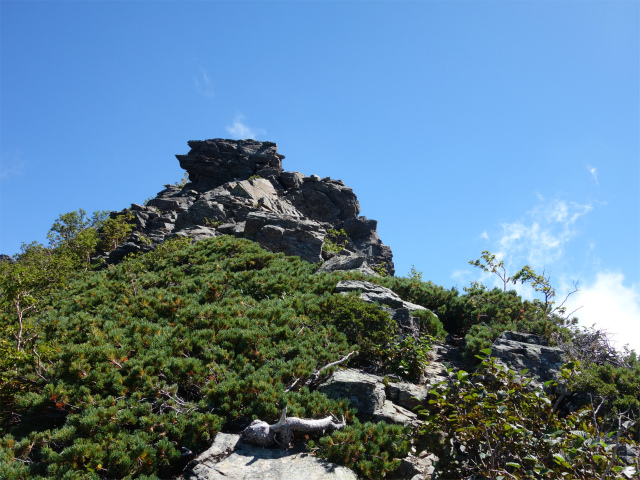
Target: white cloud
[[484, 235], [239, 130], [594, 173], [611, 305], [541, 238], [203, 84]]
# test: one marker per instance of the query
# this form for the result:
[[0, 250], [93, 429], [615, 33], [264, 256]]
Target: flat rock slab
[[372, 293], [231, 459], [524, 350], [364, 391]]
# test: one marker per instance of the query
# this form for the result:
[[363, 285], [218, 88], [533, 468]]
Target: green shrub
[[430, 324], [364, 324], [335, 240], [495, 424], [370, 449], [408, 357]]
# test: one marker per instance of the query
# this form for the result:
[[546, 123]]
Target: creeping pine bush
[[371, 449], [495, 423], [129, 365]]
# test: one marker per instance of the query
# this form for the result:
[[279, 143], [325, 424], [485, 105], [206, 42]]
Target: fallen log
[[262, 434]]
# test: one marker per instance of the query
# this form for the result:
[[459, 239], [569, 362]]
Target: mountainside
[[252, 306]]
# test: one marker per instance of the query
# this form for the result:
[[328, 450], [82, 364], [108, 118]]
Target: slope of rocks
[[239, 187]]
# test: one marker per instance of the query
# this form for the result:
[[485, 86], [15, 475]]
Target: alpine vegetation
[[250, 306]]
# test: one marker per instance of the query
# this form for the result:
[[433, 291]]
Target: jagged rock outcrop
[[521, 351], [6, 258], [367, 394], [229, 458], [239, 187]]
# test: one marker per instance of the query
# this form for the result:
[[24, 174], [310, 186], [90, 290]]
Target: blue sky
[[509, 126]]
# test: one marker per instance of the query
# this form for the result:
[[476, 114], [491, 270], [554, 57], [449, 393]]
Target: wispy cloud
[[203, 84], [611, 305], [540, 239], [594, 173], [12, 165], [240, 130]]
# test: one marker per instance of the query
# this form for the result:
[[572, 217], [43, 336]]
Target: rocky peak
[[211, 163], [239, 187]]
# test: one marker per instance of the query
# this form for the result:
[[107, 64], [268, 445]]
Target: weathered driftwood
[[262, 434]]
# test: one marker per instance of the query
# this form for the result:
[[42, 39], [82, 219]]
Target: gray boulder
[[229, 458], [370, 292], [197, 233], [521, 351], [346, 260], [6, 258], [291, 235], [415, 467], [407, 395], [211, 163], [366, 393], [392, 413]]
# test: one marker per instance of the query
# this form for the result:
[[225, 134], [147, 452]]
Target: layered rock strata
[[239, 187]]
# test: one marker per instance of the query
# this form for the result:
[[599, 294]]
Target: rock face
[[367, 393], [239, 187], [231, 459], [528, 351]]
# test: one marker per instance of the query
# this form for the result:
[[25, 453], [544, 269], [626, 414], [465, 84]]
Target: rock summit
[[239, 187]]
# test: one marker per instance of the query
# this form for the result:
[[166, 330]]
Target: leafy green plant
[[335, 240], [495, 423], [430, 324], [415, 275], [115, 230], [182, 182], [254, 177], [380, 269], [211, 223], [409, 357]]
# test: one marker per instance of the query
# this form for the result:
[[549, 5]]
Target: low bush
[[494, 423]]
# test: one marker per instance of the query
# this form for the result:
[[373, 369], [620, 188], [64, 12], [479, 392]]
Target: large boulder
[[229, 458], [366, 393], [521, 351], [346, 260], [370, 292], [211, 163]]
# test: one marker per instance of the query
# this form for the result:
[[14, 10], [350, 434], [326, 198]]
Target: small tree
[[115, 230], [540, 283], [77, 235]]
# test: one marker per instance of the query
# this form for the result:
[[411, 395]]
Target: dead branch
[[316, 375], [593, 346], [262, 434]]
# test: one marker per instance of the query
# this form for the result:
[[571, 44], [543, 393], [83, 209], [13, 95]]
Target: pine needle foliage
[[136, 362]]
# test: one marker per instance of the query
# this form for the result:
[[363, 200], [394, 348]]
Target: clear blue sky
[[509, 126]]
